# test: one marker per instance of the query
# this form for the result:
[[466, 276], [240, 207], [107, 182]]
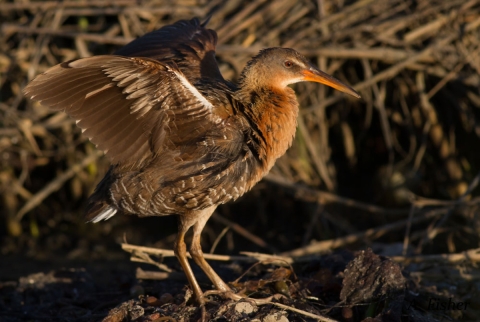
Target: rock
[[245, 307], [166, 298], [275, 317]]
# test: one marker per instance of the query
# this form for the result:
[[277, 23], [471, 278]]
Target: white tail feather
[[104, 215]]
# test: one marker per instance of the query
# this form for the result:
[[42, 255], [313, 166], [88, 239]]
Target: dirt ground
[[335, 285], [92, 279]]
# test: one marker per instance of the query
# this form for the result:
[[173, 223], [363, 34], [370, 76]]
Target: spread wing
[[187, 43], [131, 108]]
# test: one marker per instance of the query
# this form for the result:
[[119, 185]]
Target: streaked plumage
[[181, 139]]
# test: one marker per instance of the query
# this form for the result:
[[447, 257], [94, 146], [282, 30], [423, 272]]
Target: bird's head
[[280, 67]]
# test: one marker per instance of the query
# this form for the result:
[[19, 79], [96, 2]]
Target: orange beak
[[315, 75]]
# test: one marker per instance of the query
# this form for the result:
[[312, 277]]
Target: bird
[[181, 139]]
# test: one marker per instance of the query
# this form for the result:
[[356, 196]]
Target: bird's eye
[[287, 63]]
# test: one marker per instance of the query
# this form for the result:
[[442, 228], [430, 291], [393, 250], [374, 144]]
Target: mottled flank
[[181, 139]]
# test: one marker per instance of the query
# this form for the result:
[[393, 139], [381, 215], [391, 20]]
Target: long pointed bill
[[316, 75]]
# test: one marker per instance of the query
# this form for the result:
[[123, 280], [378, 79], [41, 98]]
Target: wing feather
[[57, 91], [187, 43], [120, 102]]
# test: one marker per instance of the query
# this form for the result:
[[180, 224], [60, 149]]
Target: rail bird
[[181, 139]]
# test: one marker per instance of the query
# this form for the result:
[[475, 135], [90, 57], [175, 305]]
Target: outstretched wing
[[131, 108], [187, 43]]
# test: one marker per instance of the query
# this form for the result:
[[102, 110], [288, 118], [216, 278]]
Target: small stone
[[166, 298], [244, 307], [151, 300], [275, 317]]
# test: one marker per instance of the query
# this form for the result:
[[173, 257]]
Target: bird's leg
[[197, 253], [180, 249], [199, 219]]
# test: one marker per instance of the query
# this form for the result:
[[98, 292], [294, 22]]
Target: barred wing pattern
[[172, 150], [162, 112], [186, 43], [124, 105]]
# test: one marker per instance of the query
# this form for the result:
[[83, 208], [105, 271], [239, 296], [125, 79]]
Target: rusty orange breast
[[275, 114]]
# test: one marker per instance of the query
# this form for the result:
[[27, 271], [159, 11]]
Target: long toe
[[236, 297], [225, 294]]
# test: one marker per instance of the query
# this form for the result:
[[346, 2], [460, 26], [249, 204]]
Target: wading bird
[[181, 139]]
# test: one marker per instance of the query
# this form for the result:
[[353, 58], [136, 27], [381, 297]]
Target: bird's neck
[[274, 112]]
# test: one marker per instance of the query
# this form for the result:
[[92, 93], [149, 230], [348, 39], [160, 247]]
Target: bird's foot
[[225, 294], [236, 297], [229, 294]]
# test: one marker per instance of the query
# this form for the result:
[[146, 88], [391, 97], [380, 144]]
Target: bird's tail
[[99, 206], [98, 211]]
